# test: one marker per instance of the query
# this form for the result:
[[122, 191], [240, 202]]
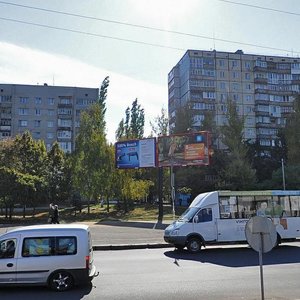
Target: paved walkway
[[113, 235]]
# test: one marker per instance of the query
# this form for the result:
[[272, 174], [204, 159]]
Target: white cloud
[[21, 65]]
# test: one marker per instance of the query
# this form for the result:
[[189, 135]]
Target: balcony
[[5, 127], [64, 105], [261, 80]]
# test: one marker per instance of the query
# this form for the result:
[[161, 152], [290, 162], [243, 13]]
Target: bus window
[[228, 207], [295, 206], [246, 207], [204, 215]]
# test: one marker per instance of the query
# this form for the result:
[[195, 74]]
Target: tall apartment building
[[50, 113], [263, 88]]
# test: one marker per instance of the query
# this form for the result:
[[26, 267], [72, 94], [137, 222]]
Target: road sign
[[261, 234]]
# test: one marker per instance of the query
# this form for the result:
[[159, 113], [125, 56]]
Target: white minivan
[[221, 216], [59, 256]]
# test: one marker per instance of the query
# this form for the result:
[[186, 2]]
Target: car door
[[8, 260], [204, 224]]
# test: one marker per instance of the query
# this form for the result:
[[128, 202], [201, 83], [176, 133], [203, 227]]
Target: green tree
[[238, 173], [160, 126], [90, 155], [184, 119], [57, 175], [132, 127], [292, 134]]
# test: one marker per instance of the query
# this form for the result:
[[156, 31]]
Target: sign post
[[262, 237]]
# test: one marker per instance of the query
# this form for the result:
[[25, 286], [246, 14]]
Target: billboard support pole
[[172, 191]]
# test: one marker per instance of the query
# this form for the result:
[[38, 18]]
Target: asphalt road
[[228, 272]]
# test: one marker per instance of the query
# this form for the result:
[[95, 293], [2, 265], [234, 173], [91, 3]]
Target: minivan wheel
[[61, 281], [194, 245]]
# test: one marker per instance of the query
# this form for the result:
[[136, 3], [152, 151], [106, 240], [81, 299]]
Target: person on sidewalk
[[55, 215], [51, 213]]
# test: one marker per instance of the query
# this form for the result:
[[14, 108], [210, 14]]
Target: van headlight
[[174, 232]]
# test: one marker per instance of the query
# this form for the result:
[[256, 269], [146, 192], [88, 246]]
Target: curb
[[132, 246]]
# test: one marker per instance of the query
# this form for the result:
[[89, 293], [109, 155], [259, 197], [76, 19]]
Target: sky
[[134, 42]]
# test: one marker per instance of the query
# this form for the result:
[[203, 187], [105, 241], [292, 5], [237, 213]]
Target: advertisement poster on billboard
[[189, 149], [135, 154]]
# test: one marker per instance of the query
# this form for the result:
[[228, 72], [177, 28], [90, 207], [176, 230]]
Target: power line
[[261, 7], [91, 34], [133, 25]]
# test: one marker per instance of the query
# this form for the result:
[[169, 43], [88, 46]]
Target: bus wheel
[[194, 245], [61, 281]]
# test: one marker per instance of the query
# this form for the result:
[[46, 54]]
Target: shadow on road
[[145, 225], [39, 292], [238, 257]]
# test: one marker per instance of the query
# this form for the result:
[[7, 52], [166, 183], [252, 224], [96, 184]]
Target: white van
[[59, 256], [221, 217]]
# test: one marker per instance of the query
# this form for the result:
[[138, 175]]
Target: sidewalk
[[118, 235]]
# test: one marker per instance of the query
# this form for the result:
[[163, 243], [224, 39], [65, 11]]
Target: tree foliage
[[160, 126], [132, 127], [238, 173]]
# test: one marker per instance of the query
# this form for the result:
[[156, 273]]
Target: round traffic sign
[[261, 234]]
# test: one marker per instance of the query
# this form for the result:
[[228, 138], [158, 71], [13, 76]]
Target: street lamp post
[[283, 174]]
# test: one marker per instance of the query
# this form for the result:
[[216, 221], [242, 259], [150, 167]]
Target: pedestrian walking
[[51, 213], [55, 215]]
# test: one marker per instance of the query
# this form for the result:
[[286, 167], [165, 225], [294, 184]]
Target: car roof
[[49, 227]]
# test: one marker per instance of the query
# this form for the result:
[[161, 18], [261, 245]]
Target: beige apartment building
[[263, 88], [50, 113]]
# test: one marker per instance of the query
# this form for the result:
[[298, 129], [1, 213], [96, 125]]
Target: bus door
[[204, 224]]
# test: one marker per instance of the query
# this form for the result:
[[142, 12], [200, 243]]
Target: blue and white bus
[[221, 217]]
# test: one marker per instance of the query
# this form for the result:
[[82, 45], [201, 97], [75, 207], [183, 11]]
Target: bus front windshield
[[188, 214]]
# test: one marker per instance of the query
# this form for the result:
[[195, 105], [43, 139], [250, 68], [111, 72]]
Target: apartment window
[[223, 97], [78, 112], [65, 111], [37, 123], [222, 85], [23, 111], [37, 135], [209, 95], [247, 65], [50, 112], [247, 76], [248, 98], [23, 100], [50, 124], [51, 101], [23, 123], [65, 101], [248, 87], [38, 100], [235, 74], [234, 63], [235, 86], [221, 63], [64, 134], [37, 112], [65, 146], [235, 97], [222, 74], [50, 135], [64, 123]]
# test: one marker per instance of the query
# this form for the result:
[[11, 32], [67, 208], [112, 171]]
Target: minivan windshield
[[188, 214]]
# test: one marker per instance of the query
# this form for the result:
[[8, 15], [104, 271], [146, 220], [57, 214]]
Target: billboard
[[189, 149], [135, 154]]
